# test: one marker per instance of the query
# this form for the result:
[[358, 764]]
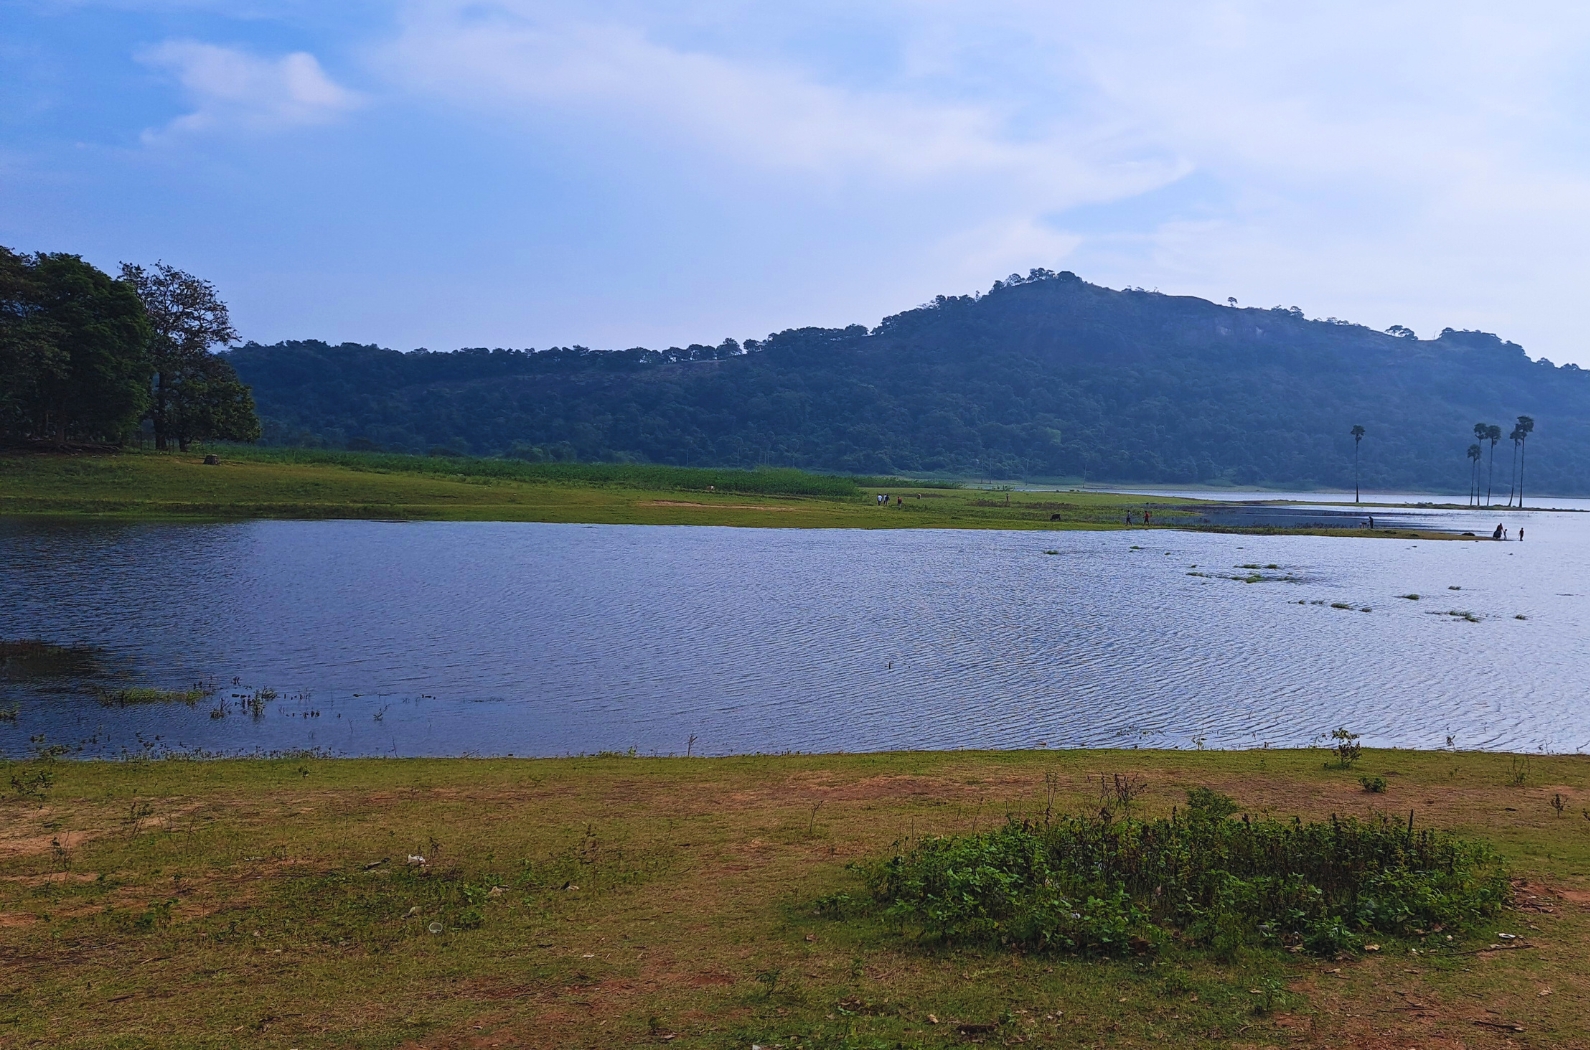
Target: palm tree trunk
[[1521, 446], [1489, 475]]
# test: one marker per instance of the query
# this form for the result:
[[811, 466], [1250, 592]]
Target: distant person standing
[[1498, 533], [1520, 534]]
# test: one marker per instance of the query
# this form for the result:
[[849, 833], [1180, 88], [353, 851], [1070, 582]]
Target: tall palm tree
[[1481, 432], [1475, 454], [1494, 434], [1358, 435], [1512, 484], [1526, 426]]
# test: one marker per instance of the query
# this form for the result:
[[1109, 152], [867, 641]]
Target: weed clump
[[135, 696], [1097, 885], [1375, 785]]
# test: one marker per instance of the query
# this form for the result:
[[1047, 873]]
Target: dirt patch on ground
[[54, 876], [888, 786], [33, 845], [1538, 896], [708, 506]]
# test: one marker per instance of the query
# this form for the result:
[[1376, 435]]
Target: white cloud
[[1425, 162], [519, 58], [233, 89], [1417, 163]]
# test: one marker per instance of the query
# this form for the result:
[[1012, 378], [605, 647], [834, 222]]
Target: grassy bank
[[619, 901], [265, 483]]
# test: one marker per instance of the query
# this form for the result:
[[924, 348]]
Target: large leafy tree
[[29, 356], [194, 396], [74, 344], [212, 404]]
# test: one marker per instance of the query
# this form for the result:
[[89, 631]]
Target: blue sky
[[503, 173]]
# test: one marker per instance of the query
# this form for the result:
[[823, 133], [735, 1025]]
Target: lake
[[379, 638]]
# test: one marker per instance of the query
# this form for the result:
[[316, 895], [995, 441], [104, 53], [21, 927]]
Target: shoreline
[[1020, 754], [255, 484]]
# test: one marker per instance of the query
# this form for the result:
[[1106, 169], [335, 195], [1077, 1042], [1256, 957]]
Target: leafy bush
[[1097, 885], [1373, 785], [1346, 749]]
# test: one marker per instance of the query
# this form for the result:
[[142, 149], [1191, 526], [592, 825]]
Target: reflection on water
[[499, 638]]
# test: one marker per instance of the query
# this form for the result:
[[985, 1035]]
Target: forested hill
[[1042, 377]]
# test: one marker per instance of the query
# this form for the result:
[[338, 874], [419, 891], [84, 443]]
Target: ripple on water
[[603, 638]]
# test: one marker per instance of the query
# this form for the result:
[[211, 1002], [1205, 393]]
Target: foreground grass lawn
[[614, 902]]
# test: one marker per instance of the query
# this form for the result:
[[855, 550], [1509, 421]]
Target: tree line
[[1043, 377], [1490, 432], [91, 359]]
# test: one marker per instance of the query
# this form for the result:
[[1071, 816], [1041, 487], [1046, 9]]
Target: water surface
[[445, 638]]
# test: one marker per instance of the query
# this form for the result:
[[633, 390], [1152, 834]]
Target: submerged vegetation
[[133, 696], [36, 658], [1114, 886]]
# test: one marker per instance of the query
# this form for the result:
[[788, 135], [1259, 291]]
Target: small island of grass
[[250, 482]]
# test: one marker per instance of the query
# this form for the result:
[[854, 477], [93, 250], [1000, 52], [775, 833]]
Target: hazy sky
[[508, 173]]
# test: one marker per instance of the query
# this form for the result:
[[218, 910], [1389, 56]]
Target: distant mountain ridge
[[1044, 376]]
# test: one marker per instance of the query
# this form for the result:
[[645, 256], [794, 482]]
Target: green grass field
[[618, 902], [286, 483]]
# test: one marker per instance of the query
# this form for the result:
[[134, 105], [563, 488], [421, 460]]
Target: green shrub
[[1102, 886], [1346, 749], [1373, 785]]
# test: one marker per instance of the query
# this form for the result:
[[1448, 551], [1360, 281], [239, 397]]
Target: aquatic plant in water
[[134, 696]]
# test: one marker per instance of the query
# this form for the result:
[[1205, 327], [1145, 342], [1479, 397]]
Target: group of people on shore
[[1501, 533]]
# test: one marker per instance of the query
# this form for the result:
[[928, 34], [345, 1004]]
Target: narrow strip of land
[[257, 483]]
